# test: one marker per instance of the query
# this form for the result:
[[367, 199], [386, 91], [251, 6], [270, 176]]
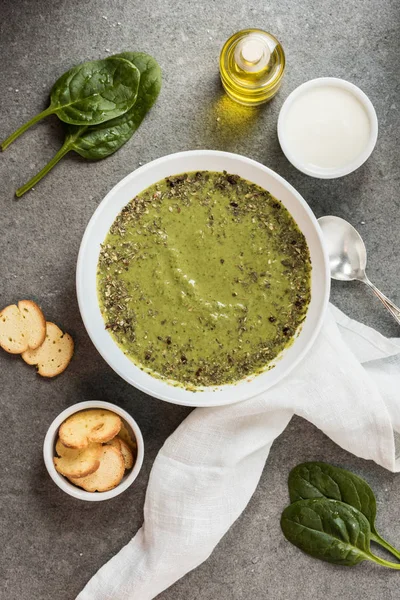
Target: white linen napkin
[[207, 470]]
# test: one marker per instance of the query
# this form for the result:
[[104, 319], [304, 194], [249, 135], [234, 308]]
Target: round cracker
[[35, 323], [13, 336], [126, 454], [91, 425], [54, 355], [108, 475], [77, 462]]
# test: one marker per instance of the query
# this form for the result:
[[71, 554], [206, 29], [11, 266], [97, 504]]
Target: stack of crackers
[[94, 450], [24, 331]]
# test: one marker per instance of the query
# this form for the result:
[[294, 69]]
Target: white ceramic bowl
[[97, 229], [62, 482], [325, 173]]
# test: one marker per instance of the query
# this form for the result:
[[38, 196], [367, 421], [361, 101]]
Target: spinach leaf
[[330, 530], [100, 141], [318, 479], [89, 94]]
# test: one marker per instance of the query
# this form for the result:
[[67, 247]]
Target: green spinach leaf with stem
[[318, 479], [89, 94], [103, 140], [330, 530]]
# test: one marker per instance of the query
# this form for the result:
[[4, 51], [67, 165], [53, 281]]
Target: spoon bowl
[[347, 256], [346, 249]]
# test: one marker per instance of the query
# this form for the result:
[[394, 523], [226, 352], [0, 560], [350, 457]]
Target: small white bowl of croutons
[[93, 450]]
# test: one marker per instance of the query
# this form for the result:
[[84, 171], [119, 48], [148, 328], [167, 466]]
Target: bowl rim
[[360, 159], [61, 481], [191, 398]]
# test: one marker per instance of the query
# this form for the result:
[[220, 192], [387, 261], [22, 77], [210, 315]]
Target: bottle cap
[[252, 53]]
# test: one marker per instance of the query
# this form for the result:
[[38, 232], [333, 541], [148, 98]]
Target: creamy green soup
[[203, 279]]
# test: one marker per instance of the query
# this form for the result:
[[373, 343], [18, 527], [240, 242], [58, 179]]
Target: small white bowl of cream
[[327, 127]]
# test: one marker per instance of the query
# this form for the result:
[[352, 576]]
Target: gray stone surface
[[52, 544]]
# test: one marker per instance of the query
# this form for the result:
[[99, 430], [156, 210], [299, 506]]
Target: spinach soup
[[203, 279]]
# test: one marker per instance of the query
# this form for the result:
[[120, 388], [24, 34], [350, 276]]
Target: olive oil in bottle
[[252, 64]]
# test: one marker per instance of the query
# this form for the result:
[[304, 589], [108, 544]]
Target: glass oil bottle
[[252, 63]]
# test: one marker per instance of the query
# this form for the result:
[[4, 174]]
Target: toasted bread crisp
[[124, 449], [92, 425], [126, 454], [74, 462], [13, 335], [115, 442], [35, 323], [22, 327], [54, 355], [107, 476], [128, 438]]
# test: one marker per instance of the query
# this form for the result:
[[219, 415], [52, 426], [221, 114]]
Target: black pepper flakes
[[254, 276]]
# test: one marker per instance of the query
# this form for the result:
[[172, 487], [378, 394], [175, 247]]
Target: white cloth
[[207, 470]]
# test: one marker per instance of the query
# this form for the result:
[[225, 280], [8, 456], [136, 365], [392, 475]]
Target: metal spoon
[[348, 256]]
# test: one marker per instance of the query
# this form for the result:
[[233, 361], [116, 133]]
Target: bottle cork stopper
[[252, 53]]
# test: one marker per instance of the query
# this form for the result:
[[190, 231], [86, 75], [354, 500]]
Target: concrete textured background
[[51, 543]]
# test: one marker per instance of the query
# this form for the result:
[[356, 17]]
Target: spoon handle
[[391, 307]]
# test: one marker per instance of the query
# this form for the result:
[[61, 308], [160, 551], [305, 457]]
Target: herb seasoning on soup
[[203, 279]]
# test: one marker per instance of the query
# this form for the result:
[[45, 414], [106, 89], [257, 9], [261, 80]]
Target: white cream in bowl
[[327, 128]]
